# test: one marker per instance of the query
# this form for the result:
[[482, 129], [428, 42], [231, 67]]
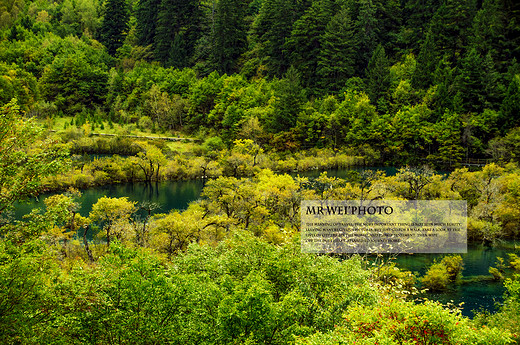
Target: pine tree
[[468, 81], [377, 74], [389, 16], [367, 33], [229, 38], [491, 83], [417, 15], [146, 15], [287, 107], [336, 58], [451, 26], [489, 28], [273, 27], [478, 82], [115, 25], [510, 109], [177, 31], [512, 12], [304, 45], [427, 61], [446, 96]]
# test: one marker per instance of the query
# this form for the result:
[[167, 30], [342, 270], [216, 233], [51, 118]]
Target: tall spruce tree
[[367, 33], [512, 11], [446, 96], [177, 31], [304, 45], [427, 61], [229, 36], [478, 82], [288, 104], [496, 29], [468, 82], [146, 16], [510, 109], [489, 28], [377, 74], [390, 21], [336, 58], [451, 27], [417, 15], [493, 86], [272, 27], [115, 25]]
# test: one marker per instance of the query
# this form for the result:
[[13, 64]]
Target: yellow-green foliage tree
[[441, 274], [114, 215], [150, 160], [25, 156], [173, 232], [60, 221]]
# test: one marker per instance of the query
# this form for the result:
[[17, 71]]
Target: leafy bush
[[25, 301], [277, 291], [243, 290], [496, 273], [436, 278], [391, 275], [508, 316], [454, 265], [145, 123], [441, 274], [213, 144], [102, 145], [393, 321], [514, 262]]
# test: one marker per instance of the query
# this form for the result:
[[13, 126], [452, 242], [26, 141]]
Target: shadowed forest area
[[405, 80]]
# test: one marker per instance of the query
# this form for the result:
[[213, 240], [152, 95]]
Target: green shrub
[[145, 123], [213, 144], [393, 321], [514, 262], [441, 274], [496, 273], [244, 290], [508, 316], [436, 278], [391, 275], [454, 265]]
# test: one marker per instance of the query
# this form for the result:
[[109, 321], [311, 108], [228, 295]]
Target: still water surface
[[169, 194], [477, 294], [476, 290]]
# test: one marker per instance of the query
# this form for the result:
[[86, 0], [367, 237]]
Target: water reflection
[[178, 194], [169, 195], [477, 290]]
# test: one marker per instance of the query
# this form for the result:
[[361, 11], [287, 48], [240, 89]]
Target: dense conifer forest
[[410, 80]]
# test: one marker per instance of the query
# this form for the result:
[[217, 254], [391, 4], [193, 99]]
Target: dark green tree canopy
[[115, 25]]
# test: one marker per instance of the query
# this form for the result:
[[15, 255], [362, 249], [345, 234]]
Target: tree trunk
[[108, 236], [85, 242]]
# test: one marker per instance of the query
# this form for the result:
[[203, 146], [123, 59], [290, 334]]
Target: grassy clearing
[[62, 124], [182, 147]]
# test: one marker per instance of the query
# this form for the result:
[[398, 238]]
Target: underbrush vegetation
[[443, 273], [393, 321], [244, 290], [229, 268]]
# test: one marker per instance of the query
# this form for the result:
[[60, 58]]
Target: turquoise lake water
[[481, 294]]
